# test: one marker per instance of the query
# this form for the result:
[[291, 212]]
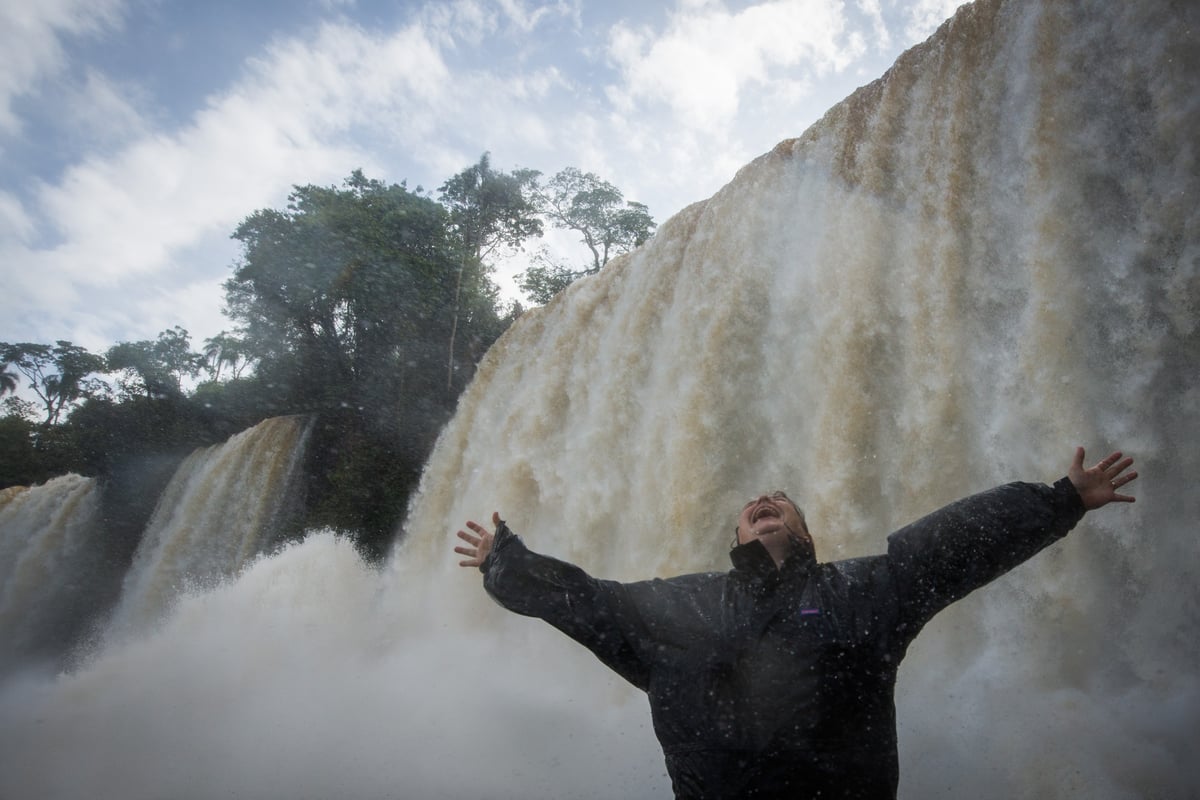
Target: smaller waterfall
[[48, 564], [225, 505]]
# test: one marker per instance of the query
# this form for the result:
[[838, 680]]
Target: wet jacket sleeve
[[953, 551], [596, 613]]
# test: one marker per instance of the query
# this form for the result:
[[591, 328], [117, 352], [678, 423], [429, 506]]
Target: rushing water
[[50, 563], [971, 265], [222, 508]]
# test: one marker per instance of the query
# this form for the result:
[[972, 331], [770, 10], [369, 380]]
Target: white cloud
[[104, 112], [470, 22], [120, 222], [282, 124], [15, 224], [467, 21], [879, 30], [30, 34], [305, 111], [700, 65], [196, 307], [925, 16], [525, 18]]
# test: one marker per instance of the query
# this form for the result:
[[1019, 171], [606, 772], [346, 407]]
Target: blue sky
[[136, 134]]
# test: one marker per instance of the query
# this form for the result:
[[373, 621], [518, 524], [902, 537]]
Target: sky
[[136, 134]]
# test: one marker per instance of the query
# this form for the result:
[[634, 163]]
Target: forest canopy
[[367, 304]]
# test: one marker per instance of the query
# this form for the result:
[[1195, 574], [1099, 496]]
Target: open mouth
[[764, 511]]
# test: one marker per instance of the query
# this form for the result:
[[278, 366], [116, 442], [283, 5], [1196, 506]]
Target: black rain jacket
[[778, 683]]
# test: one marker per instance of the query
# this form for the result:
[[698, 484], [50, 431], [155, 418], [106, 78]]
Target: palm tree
[[8, 382], [225, 350]]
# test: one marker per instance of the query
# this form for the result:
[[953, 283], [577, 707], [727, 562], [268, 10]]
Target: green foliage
[[103, 432], [19, 461], [546, 278], [23, 460], [20, 408], [58, 375], [8, 382], [582, 202], [360, 482], [490, 209], [608, 225], [345, 297], [371, 305], [225, 350], [236, 404], [155, 369]]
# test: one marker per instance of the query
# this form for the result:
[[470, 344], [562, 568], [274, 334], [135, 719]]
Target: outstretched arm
[[1098, 485], [949, 553], [595, 613]]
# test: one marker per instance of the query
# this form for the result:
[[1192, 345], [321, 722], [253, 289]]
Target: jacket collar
[[752, 559]]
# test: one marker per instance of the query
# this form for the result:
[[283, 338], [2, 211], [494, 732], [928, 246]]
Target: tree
[[58, 375], [222, 350], [19, 461], [348, 296], [488, 210], [345, 301], [155, 369], [607, 223], [546, 277], [17, 407], [341, 295]]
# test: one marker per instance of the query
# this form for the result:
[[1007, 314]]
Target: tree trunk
[[462, 265]]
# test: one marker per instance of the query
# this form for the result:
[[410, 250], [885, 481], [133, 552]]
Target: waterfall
[[49, 562], [222, 508], [985, 257]]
